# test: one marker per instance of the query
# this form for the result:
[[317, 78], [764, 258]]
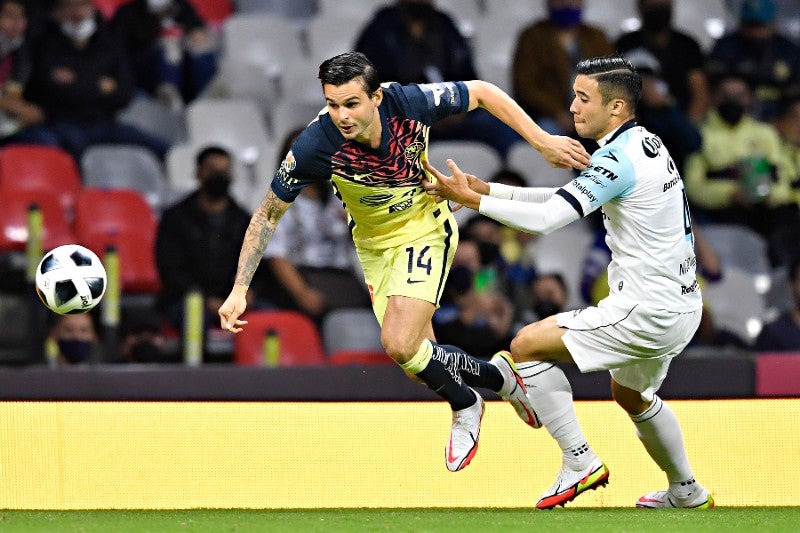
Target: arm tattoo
[[259, 232]]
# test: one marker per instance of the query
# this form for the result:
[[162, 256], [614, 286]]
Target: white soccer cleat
[[464, 435], [514, 390], [663, 499], [570, 484]]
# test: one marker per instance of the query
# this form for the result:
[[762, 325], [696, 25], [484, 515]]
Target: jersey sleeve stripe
[[571, 200]]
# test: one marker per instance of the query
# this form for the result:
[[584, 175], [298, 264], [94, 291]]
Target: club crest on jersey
[[288, 163], [413, 150], [650, 145]]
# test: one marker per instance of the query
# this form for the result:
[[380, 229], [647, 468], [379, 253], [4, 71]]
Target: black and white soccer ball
[[70, 279]]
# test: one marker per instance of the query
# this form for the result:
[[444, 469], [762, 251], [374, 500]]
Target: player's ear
[[377, 96], [618, 106]]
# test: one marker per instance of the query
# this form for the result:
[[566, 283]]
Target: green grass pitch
[[761, 519]]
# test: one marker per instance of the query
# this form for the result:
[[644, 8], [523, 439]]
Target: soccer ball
[[70, 279]]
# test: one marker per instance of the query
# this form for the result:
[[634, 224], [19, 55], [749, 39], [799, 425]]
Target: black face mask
[[216, 185], [657, 18], [546, 308], [730, 111], [75, 350], [489, 252]]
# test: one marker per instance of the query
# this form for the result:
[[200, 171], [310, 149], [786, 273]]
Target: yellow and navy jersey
[[380, 188]]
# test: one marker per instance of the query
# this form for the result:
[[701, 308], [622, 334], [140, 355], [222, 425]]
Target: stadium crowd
[[207, 93]]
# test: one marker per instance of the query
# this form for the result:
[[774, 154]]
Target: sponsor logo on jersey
[[375, 200], [584, 191], [401, 206], [289, 163], [611, 156], [603, 171], [690, 289], [671, 183], [688, 264]]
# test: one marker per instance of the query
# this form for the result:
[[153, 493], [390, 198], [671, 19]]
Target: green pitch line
[[761, 519]]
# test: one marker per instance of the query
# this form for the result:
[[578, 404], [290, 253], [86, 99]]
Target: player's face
[[593, 119], [354, 111]]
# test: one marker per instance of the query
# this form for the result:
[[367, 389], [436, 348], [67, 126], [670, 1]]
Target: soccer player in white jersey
[[654, 304]]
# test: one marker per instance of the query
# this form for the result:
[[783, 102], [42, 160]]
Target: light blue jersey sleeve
[[610, 175]]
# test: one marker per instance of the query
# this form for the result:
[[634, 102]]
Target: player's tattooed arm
[[259, 232]]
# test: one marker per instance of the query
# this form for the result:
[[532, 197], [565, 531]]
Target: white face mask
[[157, 5], [79, 31]]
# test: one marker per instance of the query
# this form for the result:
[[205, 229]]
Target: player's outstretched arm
[[259, 232], [558, 150]]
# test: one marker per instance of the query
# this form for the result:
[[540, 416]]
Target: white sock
[[551, 397], [659, 431]]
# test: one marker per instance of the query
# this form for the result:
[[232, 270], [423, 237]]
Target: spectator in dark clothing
[[543, 68], [681, 61], [81, 79], [16, 113], [198, 240], [769, 62], [784, 333], [169, 48], [412, 42]]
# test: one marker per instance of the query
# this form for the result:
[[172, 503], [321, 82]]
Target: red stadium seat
[[300, 342], [123, 219], [33, 167], [137, 260], [356, 357], [14, 205], [112, 211], [214, 12]]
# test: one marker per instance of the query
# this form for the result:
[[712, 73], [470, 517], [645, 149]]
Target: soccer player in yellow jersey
[[370, 142]]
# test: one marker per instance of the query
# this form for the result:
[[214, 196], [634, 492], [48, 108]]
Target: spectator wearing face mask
[[172, 53], [81, 79], [678, 55], [738, 176], [73, 339], [198, 240], [543, 68], [769, 62]]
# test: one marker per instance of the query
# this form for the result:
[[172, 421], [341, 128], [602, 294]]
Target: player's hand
[[455, 188], [230, 311], [564, 152]]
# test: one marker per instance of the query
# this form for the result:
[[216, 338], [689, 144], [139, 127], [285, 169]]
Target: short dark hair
[[345, 67], [209, 151], [616, 78]]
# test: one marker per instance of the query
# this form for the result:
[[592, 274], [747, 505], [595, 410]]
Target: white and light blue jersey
[[633, 179]]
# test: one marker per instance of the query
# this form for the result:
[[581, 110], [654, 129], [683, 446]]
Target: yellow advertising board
[[180, 455]]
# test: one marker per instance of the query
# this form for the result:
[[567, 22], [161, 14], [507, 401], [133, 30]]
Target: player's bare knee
[[523, 349], [398, 349], [628, 399]]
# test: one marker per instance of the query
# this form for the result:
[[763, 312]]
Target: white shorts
[[634, 342]]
